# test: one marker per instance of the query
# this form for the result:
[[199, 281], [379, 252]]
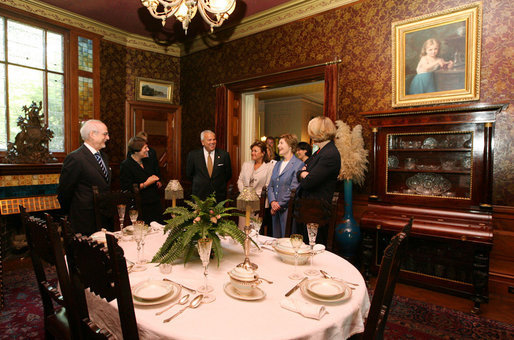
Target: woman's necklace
[[138, 161]]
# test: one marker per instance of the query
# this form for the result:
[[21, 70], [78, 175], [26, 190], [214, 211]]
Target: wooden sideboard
[[434, 164]]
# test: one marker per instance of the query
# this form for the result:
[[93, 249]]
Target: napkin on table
[[156, 226], [306, 309]]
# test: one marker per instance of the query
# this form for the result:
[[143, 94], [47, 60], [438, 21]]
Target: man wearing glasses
[[82, 169]]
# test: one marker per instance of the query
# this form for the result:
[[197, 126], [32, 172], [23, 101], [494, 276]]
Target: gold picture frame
[[436, 57], [154, 90]]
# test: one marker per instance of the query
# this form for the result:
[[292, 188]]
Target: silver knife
[[295, 287], [181, 285]]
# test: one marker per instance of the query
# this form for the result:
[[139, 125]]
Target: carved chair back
[[386, 282], [307, 210], [105, 204], [44, 242], [103, 270]]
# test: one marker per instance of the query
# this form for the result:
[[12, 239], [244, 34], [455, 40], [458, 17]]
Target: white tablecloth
[[229, 318]]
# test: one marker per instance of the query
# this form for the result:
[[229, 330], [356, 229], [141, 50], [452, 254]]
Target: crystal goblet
[[312, 231], [204, 246], [296, 243], [140, 230], [121, 214], [133, 215]]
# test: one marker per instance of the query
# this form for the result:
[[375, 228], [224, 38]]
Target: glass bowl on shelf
[[392, 162], [429, 143], [428, 184]]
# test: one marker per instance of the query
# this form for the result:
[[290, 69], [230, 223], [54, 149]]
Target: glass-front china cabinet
[[435, 165]]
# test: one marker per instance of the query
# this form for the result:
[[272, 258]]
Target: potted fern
[[203, 219]]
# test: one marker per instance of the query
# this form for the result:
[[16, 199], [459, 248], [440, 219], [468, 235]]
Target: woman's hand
[[304, 174], [151, 180], [274, 207]]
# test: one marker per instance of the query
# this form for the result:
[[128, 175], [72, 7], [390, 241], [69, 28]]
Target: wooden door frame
[[224, 107], [173, 150]]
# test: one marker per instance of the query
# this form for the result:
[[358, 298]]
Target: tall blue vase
[[348, 232]]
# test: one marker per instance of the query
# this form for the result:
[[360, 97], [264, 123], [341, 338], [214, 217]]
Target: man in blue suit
[[283, 180]]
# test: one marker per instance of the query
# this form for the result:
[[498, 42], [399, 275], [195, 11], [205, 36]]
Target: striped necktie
[[101, 163]]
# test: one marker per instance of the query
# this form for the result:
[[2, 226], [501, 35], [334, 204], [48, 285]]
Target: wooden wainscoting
[[501, 265]]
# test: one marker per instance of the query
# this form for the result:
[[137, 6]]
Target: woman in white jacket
[[255, 173]]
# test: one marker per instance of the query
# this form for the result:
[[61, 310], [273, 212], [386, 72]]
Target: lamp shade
[[173, 190], [248, 198]]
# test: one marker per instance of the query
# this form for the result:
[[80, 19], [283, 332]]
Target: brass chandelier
[[214, 12]]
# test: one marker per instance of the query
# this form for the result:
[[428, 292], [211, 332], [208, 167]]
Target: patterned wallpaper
[[360, 35], [120, 66]]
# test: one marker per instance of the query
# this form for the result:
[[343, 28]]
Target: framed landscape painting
[[436, 57], [154, 90]]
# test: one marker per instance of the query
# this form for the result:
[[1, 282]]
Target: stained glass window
[[85, 54], [85, 98]]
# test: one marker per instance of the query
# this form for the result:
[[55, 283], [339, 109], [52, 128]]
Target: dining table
[[231, 316]]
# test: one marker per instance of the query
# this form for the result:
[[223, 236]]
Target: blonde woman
[[318, 178]]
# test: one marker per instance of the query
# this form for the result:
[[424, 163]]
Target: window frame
[[66, 72], [70, 33]]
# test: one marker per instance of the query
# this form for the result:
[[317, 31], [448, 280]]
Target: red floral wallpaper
[[120, 66], [360, 35]]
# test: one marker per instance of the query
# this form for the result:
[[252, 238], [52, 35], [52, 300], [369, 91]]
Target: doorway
[[162, 123], [229, 100], [273, 112]]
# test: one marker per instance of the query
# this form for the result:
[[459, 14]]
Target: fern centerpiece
[[203, 219]]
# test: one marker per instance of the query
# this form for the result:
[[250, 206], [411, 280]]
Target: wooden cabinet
[[435, 165]]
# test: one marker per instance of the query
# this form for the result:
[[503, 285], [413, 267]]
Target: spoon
[[328, 276], [257, 277], [193, 304], [183, 300]]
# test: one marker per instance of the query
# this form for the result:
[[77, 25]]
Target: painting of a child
[[430, 61]]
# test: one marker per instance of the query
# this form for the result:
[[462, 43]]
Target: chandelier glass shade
[[214, 12]]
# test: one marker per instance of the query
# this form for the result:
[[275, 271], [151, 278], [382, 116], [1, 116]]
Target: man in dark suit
[[209, 168], [82, 169]]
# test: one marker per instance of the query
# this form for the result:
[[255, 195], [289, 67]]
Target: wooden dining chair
[[308, 210], [105, 204], [104, 271], [44, 242], [386, 282]]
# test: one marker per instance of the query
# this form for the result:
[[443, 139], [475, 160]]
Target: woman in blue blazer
[[283, 180]]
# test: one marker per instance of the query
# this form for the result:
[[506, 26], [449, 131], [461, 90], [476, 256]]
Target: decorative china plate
[[343, 297], [326, 288], [154, 292], [256, 293]]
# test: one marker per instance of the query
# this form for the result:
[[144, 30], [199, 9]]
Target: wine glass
[[204, 246], [133, 215], [140, 230], [296, 242], [121, 214], [312, 231], [256, 226]]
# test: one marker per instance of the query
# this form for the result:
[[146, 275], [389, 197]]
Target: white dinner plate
[[326, 288], [345, 296], [256, 293], [154, 292]]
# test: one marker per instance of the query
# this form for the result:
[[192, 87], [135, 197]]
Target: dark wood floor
[[498, 308]]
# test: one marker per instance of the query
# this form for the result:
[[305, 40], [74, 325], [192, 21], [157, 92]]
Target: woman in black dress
[[138, 169]]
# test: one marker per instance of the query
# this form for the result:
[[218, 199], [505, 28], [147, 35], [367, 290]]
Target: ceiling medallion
[[214, 12]]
